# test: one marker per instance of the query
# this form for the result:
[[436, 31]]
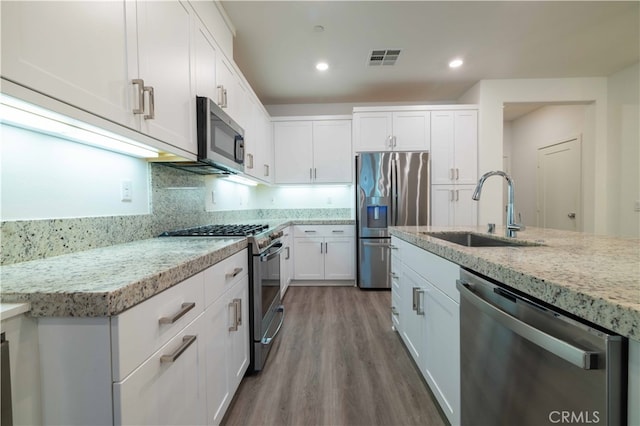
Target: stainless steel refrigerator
[[392, 189]]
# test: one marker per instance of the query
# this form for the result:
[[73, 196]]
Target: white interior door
[[559, 189]]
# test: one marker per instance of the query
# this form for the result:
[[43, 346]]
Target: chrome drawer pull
[[186, 307], [233, 274], [338, 231], [140, 83], [186, 342]]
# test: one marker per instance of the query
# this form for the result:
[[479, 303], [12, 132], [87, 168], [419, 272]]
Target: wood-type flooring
[[335, 362]]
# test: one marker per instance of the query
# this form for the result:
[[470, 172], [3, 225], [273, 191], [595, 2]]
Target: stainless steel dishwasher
[[524, 363]]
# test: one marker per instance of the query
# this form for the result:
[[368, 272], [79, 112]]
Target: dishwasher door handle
[[576, 356]]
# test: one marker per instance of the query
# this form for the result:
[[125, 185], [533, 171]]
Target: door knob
[[571, 215]]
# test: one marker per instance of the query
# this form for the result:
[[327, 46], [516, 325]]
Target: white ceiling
[[277, 48]]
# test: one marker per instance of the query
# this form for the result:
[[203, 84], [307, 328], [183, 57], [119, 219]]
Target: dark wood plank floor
[[335, 362]]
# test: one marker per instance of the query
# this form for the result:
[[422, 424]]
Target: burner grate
[[241, 230]]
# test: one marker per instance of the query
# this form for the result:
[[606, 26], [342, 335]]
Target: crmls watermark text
[[568, 417]]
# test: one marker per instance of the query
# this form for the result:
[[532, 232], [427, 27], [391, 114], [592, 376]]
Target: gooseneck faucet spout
[[512, 227]]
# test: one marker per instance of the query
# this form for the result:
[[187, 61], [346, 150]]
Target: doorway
[[559, 189]]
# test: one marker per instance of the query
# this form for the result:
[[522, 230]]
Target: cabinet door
[[292, 143], [339, 262], [466, 147], [332, 155], [204, 59], [465, 208], [166, 392], [442, 354], [442, 148], [164, 45], [238, 298], [71, 51], [412, 288], [372, 131], [309, 258], [442, 197], [411, 131], [216, 319]]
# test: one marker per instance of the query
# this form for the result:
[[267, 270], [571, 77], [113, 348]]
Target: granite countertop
[[109, 280], [106, 281], [596, 278]]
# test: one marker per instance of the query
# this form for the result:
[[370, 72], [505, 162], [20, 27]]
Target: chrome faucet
[[512, 227]]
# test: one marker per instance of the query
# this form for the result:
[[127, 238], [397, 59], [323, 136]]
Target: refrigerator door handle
[[394, 192]]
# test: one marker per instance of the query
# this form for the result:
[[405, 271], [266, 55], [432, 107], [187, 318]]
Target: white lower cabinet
[[324, 252], [226, 347], [176, 358], [426, 315], [168, 388]]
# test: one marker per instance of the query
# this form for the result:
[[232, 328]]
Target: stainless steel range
[[266, 312]]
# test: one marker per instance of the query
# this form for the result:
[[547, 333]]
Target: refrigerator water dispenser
[[376, 216]]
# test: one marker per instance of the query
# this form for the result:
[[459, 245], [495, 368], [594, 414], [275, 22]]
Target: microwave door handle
[[239, 148]]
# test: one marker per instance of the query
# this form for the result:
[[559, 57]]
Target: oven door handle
[[271, 252], [267, 340]]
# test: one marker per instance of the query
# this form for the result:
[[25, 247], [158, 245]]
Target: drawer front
[[143, 329], [168, 388], [221, 276], [438, 271], [324, 230]]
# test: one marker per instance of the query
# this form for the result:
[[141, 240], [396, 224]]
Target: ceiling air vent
[[383, 57]]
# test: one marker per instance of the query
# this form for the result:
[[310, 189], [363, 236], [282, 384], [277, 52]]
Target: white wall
[[543, 127], [491, 95], [44, 177]]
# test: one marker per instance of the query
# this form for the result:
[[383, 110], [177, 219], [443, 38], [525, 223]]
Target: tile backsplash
[[177, 201]]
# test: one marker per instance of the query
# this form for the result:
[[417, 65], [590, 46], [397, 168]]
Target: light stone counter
[[596, 278], [109, 280]]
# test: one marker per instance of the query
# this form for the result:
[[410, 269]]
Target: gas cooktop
[[242, 230]]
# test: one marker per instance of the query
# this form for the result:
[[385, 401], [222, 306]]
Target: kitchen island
[[592, 278], [596, 278]]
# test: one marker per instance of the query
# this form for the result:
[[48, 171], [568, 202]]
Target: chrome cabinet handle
[[393, 275], [308, 231], [337, 231], [570, 216], [457, 195], [389, 141], [140, 83], [394, 311], [326, 248], [451, 174], [395, 140], [250, 161], [414, 302], [266, 170], [310, 173], [315, 173], [321, 248], [233, 273], [586, 360], [184, 308], [152, 102], [236, 304], [420, 301], [288, 253], [457, 173], [452, 195], [172, 357]]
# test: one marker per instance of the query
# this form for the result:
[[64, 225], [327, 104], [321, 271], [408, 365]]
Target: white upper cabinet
[[204, 60], [162, 49], [71, 51], [454, 147], [391, 130], [317, 151], [257, 144]]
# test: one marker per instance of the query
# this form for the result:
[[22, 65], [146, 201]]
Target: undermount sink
[[470, 239]]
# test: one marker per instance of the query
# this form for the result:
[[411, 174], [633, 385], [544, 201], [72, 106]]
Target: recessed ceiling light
[[322, 66], [455, 63], [318, 28]]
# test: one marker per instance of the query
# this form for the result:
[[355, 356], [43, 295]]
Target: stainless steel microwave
[[220, 139]]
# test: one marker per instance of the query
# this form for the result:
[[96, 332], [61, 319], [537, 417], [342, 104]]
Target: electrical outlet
[[126, 191], [636, 206]]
